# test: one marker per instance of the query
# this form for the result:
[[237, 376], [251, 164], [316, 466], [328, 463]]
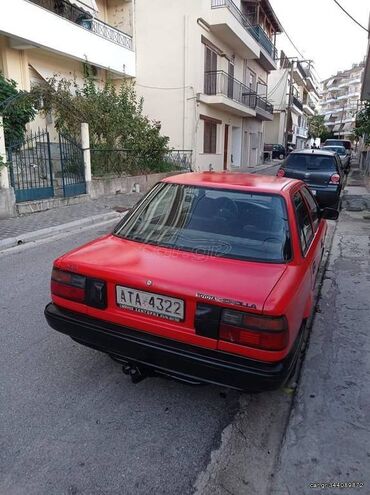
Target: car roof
[[319, 151], [232, 180]]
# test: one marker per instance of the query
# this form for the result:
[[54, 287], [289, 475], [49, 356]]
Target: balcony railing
[[255, 30], [74, 14], [237, 13], [297, 103], [219, 82], [263, 104], [301, 131]]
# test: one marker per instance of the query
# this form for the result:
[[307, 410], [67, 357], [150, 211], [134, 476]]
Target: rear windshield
[[337, 149], [334, 142], [311, 162], [215, 222]]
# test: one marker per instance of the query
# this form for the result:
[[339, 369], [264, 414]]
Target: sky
[[322, 32]]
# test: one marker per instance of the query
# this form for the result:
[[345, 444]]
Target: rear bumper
[[185, 361]]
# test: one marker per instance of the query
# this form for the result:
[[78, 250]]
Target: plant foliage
[[16, 108], [363, 123], [115, 118], [317, 128]]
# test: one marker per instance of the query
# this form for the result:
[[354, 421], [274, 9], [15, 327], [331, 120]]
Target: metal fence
[[123, 162], [263, 104]]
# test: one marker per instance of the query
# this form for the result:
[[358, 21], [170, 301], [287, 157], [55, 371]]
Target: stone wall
[[108, 186]]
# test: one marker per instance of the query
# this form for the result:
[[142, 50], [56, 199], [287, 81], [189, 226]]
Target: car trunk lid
[[192, 278]]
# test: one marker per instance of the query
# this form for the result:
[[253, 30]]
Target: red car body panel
[[274, 289]]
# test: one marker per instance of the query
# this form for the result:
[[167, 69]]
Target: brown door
[[226, 146], [210, 72]]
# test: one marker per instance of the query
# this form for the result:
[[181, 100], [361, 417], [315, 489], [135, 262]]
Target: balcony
[[264, 109], [231, 26], [301, 131], [297, 103], [269, 53], [228, 94], [71, 32]]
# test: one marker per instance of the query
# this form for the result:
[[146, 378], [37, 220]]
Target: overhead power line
[[290, 39], [349, 15]]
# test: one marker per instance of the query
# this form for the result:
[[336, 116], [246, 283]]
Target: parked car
[[343, 155], [341, 142], [321, 170], [277, 151], [210, 278]]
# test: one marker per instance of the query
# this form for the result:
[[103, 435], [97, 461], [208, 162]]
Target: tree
[[115, 118], [16, 108], [317, 128], [362, 128]]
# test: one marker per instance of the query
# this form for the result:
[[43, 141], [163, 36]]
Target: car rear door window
[[313, 206], [304, 222]]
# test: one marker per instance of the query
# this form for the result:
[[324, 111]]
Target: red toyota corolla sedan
[[209, 278]]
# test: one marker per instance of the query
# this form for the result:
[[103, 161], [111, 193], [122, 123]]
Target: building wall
[[170, 65]]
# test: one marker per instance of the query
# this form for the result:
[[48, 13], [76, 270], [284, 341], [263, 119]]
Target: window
[[215, 222], [306, 162], [313, 206], [304, 223], [210, 137], [210, 71]]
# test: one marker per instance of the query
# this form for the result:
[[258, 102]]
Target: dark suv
[[320, 170]]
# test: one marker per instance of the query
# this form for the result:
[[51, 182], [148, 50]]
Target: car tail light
[[262, 332], [280, 172], [334, 179], [78, 288]]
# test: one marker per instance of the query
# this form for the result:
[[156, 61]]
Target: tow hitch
[[136, 372]]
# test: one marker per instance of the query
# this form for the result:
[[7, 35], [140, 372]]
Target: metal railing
[[259, 34], [255, 30], [85, 20], [220, 82], [263, 104], [301, 131], [297, 102], [236, 12], [180, 159]]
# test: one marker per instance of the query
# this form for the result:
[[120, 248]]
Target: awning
[[336, 127], [327, 117], [86, 5], [348, 126]]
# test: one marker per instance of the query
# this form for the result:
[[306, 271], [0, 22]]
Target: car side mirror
[[329, 213]]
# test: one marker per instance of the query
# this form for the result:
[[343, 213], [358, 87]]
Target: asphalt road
[[71, 422]]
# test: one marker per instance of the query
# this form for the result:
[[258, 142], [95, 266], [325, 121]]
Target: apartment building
[[43, 38], [340, 99], [293, 91], [204, 73], [201, 66]]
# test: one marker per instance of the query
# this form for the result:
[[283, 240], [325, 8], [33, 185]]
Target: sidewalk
[[16, 228], [328, 435]]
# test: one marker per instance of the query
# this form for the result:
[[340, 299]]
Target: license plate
[[150, 303], [313, 192]]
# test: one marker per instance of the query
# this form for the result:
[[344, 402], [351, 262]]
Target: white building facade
[[204, 76], [293, 91], [340, 100]]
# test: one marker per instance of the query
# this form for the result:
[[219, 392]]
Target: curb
[[11, 242]]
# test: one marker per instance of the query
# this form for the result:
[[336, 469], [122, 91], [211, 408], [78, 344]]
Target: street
[[71, 421]]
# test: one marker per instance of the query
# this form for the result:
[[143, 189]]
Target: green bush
[[115, 119], [16, 108]]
